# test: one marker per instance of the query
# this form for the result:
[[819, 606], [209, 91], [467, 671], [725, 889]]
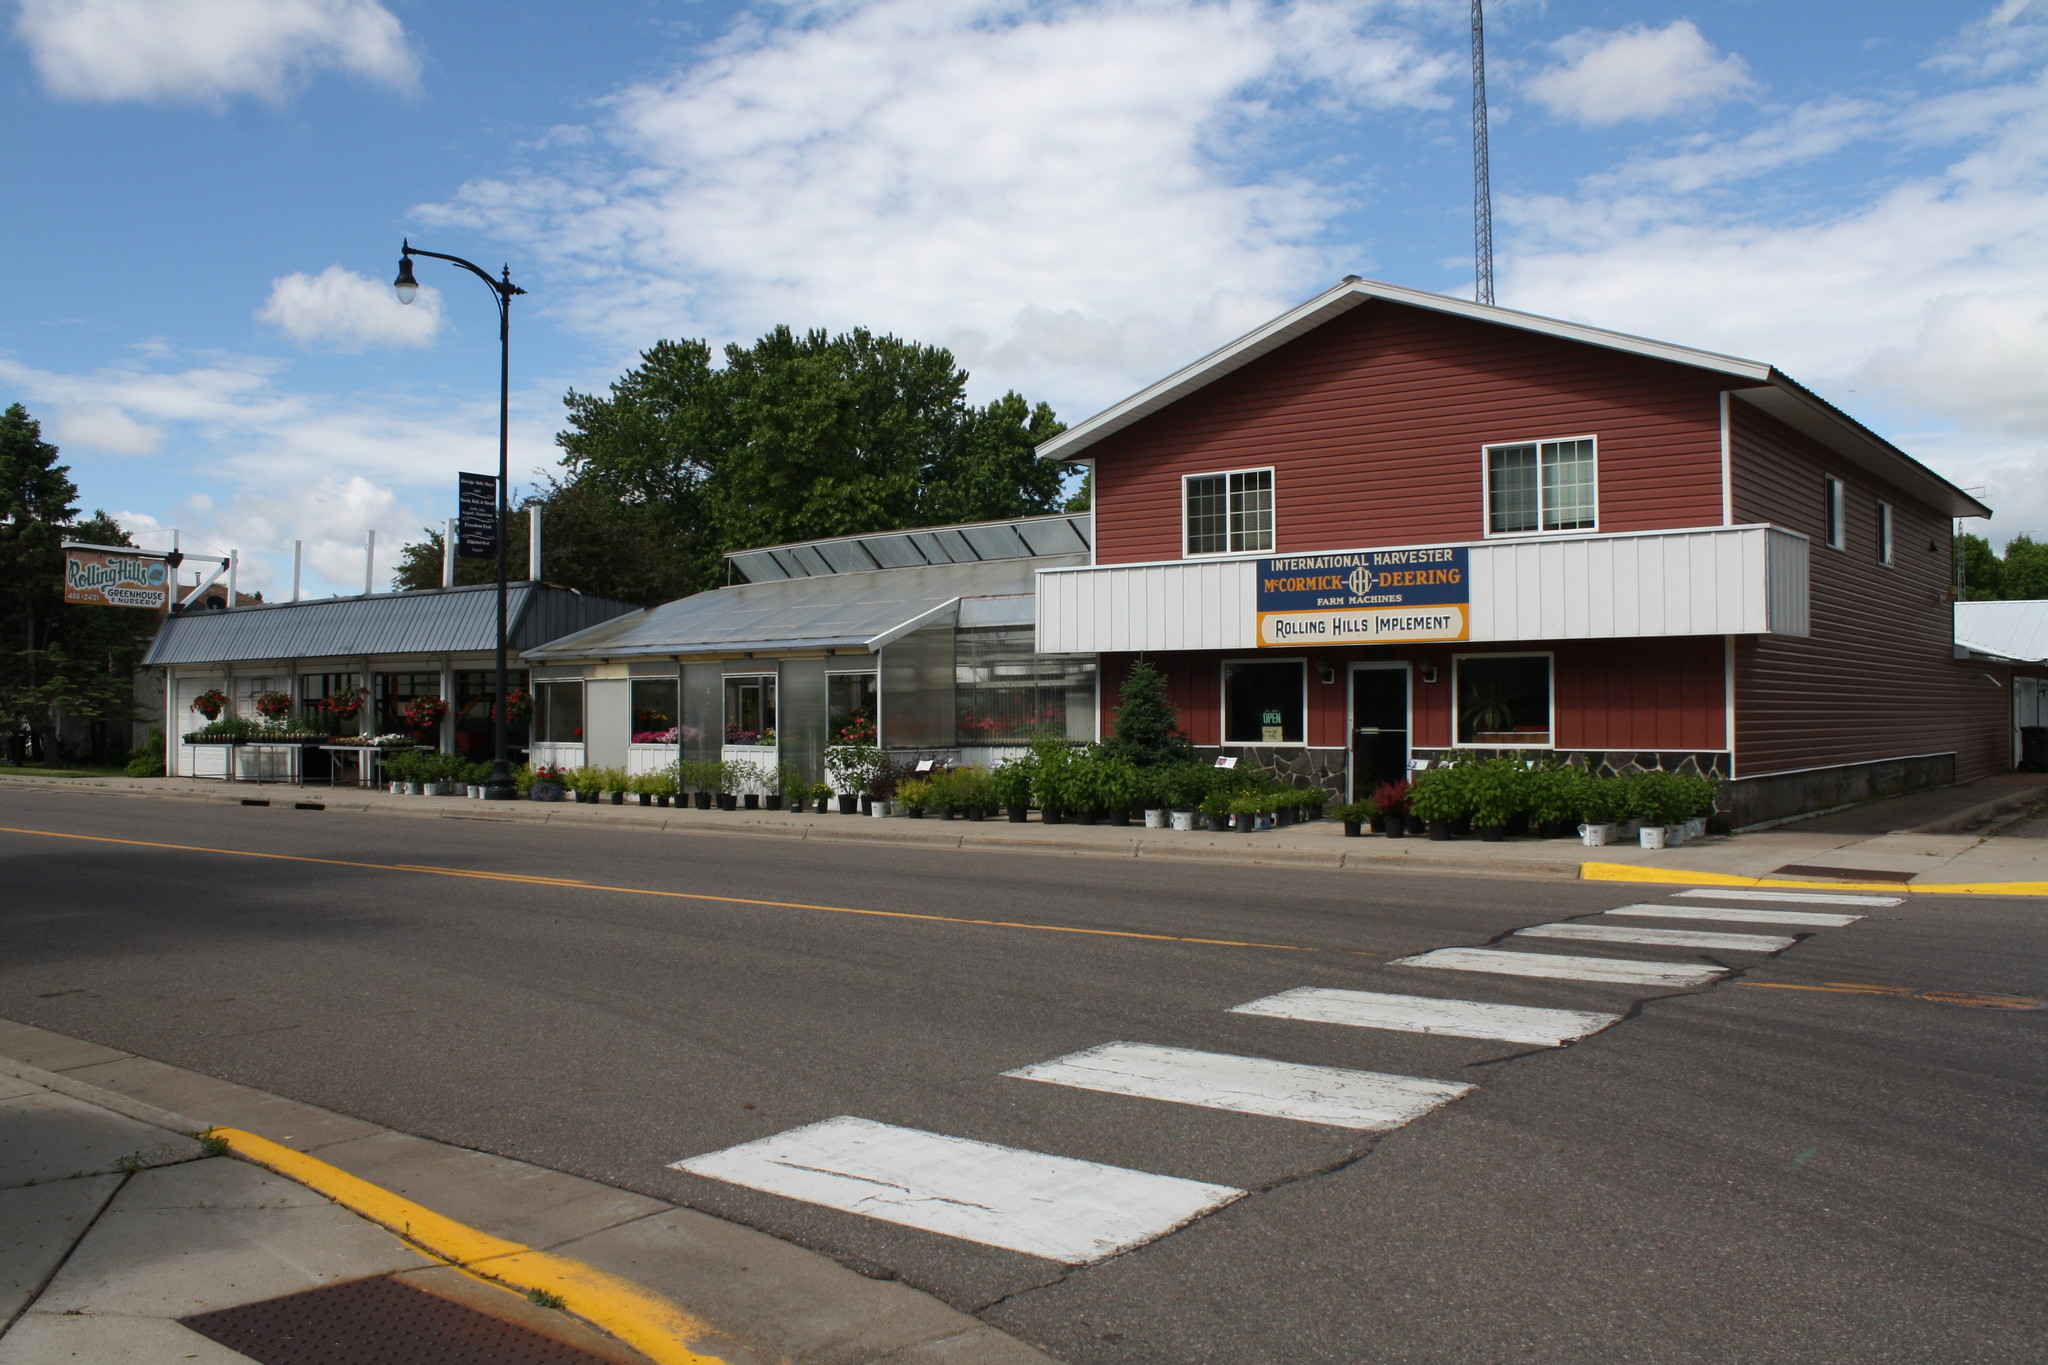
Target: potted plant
[[210, 703], [274, 706], [850, 766], [1356, 814], [724, 778], [1249, 811], [423, 713], [1437, 798], [1013, 778], [1216, 806], [1117, 787], [975, 791], [914, 794], [1052, 779], [1390, 802], [1185, 784], [1494, 797], [882, 782], [945, 797]]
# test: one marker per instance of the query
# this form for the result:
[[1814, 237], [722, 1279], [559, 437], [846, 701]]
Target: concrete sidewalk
[[116, 1223], [1938, 836]]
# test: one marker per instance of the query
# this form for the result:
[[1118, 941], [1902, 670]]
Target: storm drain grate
[[1847, 874], [378, 1322]]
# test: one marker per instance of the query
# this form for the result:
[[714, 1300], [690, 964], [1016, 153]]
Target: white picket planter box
[[762, 756], [555, 755], [650, 758]]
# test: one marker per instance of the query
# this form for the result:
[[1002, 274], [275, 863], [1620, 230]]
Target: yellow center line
[[560, 884], [1848, 986]]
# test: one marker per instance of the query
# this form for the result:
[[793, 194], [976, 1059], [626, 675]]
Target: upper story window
[[1884, 533], [1832, 501], [1229, 514], [1541, 486]]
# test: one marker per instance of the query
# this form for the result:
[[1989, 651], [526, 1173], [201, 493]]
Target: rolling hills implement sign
[[107, 578], [1365, 597]]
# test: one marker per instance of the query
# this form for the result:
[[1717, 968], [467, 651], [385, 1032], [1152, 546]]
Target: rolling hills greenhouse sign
[[101, 577]]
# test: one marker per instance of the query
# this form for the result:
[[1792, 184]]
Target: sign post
[[115, 576], [476, 530], [1365, 597]]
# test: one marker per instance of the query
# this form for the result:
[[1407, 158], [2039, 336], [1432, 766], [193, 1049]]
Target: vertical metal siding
[[1373, 424]]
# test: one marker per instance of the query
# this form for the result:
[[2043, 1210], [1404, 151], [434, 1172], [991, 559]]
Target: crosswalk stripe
[[1661, 938], [1815, 919], [1617, 970], [1055, 1207], [1424, 1014], [1791, 897], [1371, 1101]]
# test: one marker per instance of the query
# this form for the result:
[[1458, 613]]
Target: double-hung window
[[1229, 514], [1884, 533], [1833, 511], [1537, 486]]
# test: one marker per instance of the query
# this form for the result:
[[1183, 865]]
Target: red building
[[1389, 524]]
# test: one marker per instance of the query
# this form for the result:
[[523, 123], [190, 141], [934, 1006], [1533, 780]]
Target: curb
[[1628, 872], [1984, 812], [644, 1320]]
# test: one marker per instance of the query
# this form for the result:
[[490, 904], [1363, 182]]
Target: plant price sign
[[1365, 597], [108, 578]]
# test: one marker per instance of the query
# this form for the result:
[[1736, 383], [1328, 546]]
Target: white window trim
[[1486, 488], [1457, 678], [1887, 533], [1835, 534], [1225, 474], [1223, 704]]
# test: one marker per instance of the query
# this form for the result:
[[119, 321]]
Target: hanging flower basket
[[210, 703], [274, 705], [519, 706], [346, 704], [423, 713]]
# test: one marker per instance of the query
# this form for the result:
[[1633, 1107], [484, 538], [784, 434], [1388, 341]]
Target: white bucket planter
[[880, 809], [1183, 820], [1652, 836], [1596, 836], [398, 788], [1155, 819]]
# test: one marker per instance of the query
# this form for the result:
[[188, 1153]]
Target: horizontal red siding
[[1373, 425], [1610, 695], [1877, 677]]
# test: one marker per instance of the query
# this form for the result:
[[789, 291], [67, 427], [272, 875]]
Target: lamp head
[[408, 288]]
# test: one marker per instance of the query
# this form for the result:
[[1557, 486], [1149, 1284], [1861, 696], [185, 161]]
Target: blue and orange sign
[[1365, 597]]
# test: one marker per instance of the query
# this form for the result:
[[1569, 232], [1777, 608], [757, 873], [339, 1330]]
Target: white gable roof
[[2008, 630], [1756, 383]]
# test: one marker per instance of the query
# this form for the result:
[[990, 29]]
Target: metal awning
[[855, 611], [432, 621], [980, 543]]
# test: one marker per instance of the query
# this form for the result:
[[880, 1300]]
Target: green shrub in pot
[[1013, 778]]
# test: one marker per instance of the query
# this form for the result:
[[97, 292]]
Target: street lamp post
[[500, 787]]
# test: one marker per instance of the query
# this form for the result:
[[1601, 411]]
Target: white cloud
[[1061, 188], [207, 51], [1638, 72], [274, 466], [339, 310], [1921, 306], [99, 427]]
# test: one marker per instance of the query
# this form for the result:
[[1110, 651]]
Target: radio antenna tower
[[1482, 192]]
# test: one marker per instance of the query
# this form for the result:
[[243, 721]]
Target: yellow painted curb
[[1630, 872], [644, 1320]]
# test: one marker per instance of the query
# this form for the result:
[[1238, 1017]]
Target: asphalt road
[[1736, 1173]]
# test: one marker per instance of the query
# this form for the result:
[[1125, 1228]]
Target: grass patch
[[35, 770], [540, 1298]]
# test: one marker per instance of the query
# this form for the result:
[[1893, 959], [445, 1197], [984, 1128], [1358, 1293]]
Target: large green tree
[[796, 437], [2020, 574], [58, 663]]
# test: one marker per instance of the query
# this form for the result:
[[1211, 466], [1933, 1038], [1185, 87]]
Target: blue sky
[[207, 198]]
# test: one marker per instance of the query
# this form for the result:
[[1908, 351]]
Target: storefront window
[[850, 699], [656, 705], [750, 709], [1504, 699], [558, 712], [1007, 693], [315, 690], [394, 690], [474, 688], [1265, 703]]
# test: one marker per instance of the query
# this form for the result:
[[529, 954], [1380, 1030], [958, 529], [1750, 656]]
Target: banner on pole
[[476, 527], [96, 576]]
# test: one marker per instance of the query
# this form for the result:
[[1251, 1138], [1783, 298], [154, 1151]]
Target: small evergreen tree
[[1147, 730]]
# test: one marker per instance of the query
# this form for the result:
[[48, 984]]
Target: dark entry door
[[1379, 727]]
